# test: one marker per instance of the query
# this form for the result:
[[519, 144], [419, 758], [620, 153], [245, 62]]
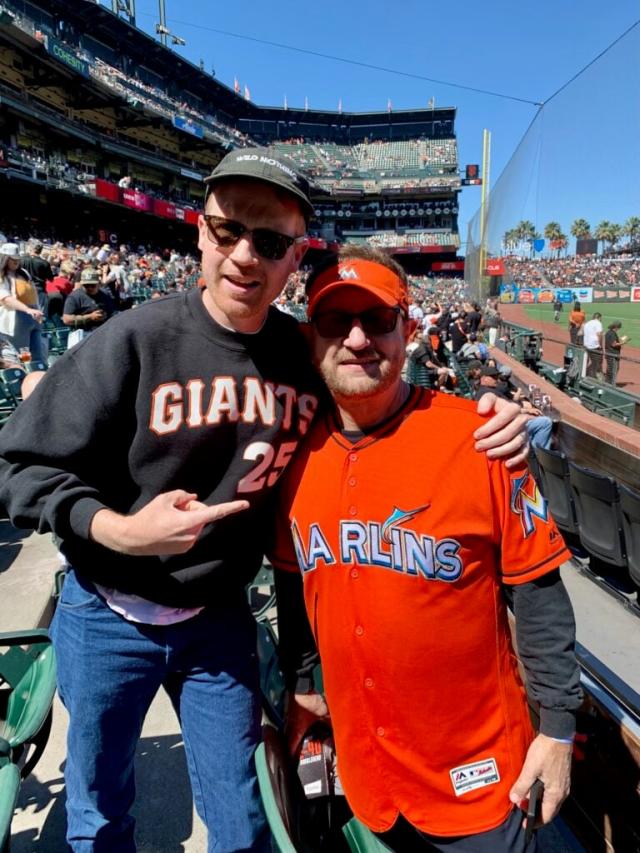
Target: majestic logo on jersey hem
[[468, 777], [386, 546], [527, 502]]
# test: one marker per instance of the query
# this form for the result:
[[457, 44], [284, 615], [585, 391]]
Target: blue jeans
[[539, 431], [109, 670], [28, 333]]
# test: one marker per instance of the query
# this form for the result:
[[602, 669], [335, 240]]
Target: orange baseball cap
[[367, 275]]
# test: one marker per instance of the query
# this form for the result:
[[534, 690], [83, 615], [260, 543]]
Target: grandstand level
[[108, 137]]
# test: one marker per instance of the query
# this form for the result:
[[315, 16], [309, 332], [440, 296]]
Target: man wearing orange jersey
[[403, 541]]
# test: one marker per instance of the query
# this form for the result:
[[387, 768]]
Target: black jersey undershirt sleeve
[[545, 634]]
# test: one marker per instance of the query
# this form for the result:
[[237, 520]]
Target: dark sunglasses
[[375, 321], [270, 245]]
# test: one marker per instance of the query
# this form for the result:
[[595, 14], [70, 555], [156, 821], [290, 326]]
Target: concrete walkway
[[166, 822]]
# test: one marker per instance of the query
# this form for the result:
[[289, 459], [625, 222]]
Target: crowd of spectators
[[418, 238], [57, 171], [131, 87], [574, 272], [376, 165]]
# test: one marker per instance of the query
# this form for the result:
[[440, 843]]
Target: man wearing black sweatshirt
[[156, 480]]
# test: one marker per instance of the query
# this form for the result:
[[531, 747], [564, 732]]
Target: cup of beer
[[24, 355]]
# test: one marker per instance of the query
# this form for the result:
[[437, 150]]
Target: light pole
[[162, 30]]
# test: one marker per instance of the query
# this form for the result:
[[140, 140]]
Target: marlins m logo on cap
[[348, 273]]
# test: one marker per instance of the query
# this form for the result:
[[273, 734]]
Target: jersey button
[[380, 731], [359, 630], [353, 510], [368, 683], [353, 457], [354, 573], [352, 481]]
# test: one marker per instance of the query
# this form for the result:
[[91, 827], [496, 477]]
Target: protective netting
[[577, 160]]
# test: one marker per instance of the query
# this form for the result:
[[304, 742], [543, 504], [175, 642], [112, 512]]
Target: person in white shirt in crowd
[[20, 314], [592, 342]]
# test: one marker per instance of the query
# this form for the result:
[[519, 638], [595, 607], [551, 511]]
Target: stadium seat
[[27, 687], [630, 506], [12, 379], [272, 766], [597, 504], [361, 839], [554, 476], [272, 684], [9, 787], [32, 366]]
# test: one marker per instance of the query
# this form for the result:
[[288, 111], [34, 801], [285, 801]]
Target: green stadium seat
[[32, 366], [275, 790], [272, 683], [361, 839], [9, 788], [12, 379], [27, 687]]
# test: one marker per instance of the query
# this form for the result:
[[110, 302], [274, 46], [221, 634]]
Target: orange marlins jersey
[[404, 539]]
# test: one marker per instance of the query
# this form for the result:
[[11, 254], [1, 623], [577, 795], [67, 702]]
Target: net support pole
[[484, 198]]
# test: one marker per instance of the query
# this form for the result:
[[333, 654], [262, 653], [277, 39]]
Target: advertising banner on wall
[[447, 266], [583, 294], [495, 266], [635, 294], [188, 126], [67, 56], [164, 208], [137, 200], [511, 293]]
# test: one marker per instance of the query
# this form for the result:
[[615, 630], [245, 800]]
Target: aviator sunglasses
[[375, 321], [269, 244]]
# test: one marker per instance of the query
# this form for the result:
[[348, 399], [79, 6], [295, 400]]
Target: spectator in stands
[[491, 320], [458, 331], [577, 320], [539, 427], [20, 314], [474, 319], [592, 342], [59, 289], [40, 272], [557, 309], [87, 307], [475, 347], [612, 346]]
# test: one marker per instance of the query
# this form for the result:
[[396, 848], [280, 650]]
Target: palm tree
[[526, 231], [580, 229], [631, 229], [607, 232], [553, 233]]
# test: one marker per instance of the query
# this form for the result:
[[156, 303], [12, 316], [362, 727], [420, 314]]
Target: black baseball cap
[[263, 164], [490, 370]]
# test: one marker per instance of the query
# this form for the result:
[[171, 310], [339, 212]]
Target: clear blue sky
[[580, 160]]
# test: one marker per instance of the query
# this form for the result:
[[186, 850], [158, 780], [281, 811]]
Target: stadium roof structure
[[104, 26]]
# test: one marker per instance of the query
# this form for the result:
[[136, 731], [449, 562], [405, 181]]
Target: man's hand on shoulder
[[549, 760], [504, 435], [169, 524]]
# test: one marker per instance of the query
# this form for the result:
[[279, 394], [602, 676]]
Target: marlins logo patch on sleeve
[[528, 503]]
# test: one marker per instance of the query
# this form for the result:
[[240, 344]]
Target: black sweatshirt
[[157, 399]]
